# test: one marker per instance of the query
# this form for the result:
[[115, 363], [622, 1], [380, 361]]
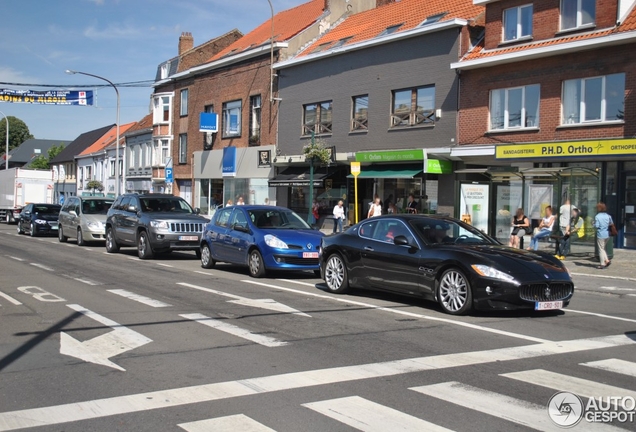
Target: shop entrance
[[627, 211]]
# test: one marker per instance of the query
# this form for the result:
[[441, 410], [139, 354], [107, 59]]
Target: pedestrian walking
[[411, 205], [338, 216], [602, 221], [376, 208]]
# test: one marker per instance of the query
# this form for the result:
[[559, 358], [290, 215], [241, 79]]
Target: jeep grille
[[186, 227]]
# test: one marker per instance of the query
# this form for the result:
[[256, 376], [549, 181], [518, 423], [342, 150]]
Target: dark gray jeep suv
[[154, 223]]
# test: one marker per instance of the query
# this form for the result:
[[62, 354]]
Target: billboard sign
[[51, 97]]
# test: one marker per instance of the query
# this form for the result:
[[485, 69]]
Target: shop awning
[[391, 171], [299, 176]]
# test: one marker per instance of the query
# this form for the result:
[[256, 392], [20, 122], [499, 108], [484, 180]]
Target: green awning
[[390, 171]]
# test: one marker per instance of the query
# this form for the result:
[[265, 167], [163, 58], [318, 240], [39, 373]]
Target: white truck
[[19, 187]]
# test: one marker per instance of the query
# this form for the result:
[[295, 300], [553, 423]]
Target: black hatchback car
[[154, 224], [39, 219], [446, 260]]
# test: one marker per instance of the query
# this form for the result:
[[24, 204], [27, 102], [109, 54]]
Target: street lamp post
[[271, 56], [72, 72], [6, 155]]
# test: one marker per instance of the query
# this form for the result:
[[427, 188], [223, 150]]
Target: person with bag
[[602, 222], [544, 229], [520, 227], [574, 231], [376, 208]]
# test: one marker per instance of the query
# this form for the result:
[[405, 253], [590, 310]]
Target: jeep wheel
[[111, 243], [144, 250]]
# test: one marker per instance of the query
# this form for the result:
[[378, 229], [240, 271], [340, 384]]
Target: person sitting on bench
[[544, 229]]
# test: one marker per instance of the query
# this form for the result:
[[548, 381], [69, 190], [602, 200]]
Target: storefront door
[[627, 235]]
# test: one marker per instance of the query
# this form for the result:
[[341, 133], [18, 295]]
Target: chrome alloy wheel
[[336, 274], [454, 292]]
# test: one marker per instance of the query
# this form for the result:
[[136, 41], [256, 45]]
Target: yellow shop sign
[[567, 149]]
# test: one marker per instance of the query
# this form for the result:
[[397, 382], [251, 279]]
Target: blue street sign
[[208, 122], [169, 177]]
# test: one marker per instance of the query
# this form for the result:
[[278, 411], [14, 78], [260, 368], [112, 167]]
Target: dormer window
[[342, 41], [433, 19], [517, 23], [577, 13], [390, 29], [165, 70], [321, 47]]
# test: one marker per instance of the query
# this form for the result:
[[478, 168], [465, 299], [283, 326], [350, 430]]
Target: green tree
[[18, 133], [95, 184], [44, 162]]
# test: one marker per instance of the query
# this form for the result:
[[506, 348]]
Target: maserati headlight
[[159, 224], [275, 242], [493, 273]]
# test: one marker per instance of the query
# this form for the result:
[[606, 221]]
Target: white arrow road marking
[[99, 349], [235, 330], [141, 299], [268, 304], [10, 299], [92, 409]]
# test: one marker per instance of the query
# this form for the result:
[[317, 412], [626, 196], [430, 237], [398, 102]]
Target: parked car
[[446, 260], [83, 218], [37, 219], [154, 223], [262, 238]]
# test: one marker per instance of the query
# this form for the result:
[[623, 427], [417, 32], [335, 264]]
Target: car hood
[[94, 218], [45, 216], [291, 236], [516, 261]]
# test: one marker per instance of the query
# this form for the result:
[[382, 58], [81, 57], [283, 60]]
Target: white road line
[[614, 365], [579, 386], [99, 408], [10, 299], [367, 416], [134, 258], [87, 281], [601, 315], [233, 423], [313, 285], [508, 408], [164, 265], [203, 273], [400, 312], [235, 330], [42, 266], [604, 276], [14, 258], [139, 298]]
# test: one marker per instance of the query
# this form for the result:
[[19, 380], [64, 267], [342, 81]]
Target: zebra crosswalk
[[366, 415]]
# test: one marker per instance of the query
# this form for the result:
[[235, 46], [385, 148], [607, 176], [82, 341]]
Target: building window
[[161, 152], [255, 120], [390, 29], [161, 109], [514, 108], [184, 103], [165, 70], [147, 156], [517, 22], [183, 148], [412, 107], [577, 13], [131, 157], [317, 118], [596, 99], [112, 168], [232, 119], [360, 120]]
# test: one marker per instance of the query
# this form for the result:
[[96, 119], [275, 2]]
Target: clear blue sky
[[121, 40]]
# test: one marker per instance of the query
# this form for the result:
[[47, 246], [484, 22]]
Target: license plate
[[548, 305], [310, 254], [188, 238], [53, 227]]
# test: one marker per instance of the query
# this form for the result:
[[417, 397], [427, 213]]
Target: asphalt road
[[107, 342]]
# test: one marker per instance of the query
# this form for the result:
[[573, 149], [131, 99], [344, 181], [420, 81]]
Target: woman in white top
[[545, 228], [376, 208]]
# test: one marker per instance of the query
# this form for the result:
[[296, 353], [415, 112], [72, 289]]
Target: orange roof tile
[[106, 139], [410, 13], [478, 52], [287, 24], [144, 123]]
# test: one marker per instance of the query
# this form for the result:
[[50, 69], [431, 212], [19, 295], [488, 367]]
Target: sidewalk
[[623, 265]]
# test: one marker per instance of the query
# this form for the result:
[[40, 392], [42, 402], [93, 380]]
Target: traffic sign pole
[[355, 170]]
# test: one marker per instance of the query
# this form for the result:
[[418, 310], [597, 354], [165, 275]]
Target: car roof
[[258, 207]]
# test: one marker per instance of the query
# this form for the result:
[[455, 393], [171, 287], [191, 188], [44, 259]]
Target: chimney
[[186, 42], [379, 3], [326, 6]]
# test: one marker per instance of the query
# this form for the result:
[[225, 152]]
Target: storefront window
[[209, 195], [252, 191], [508, 201]]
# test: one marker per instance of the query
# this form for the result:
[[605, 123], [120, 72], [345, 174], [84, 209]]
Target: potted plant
[[317, 153]]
